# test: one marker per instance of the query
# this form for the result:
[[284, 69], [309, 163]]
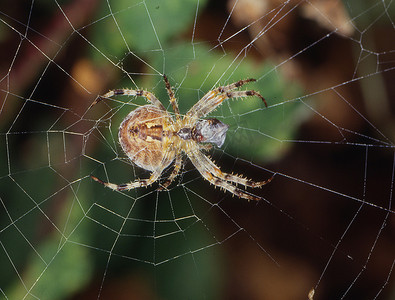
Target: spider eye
[[212, 131]]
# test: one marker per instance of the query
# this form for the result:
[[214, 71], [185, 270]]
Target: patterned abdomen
[[143, 135]]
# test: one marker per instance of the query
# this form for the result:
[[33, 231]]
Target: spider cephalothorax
[[153, 139]]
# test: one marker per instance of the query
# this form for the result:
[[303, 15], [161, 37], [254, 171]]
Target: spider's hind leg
[[129, 92], [131, 185]]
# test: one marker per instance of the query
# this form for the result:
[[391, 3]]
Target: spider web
[[324, 228]]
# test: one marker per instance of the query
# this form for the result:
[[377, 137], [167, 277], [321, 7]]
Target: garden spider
[[153, 139]]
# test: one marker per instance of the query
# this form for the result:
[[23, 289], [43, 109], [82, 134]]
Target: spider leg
[[206, 147], [237, 179], [173, 100], [139, 182], [174, 173], [234, 85], [128, 92], [206, 171], [214, 98], [131, 185]]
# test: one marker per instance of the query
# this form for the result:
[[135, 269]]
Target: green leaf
[[141, 26]]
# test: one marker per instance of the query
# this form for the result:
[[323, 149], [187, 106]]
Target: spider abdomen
[[143, 134]]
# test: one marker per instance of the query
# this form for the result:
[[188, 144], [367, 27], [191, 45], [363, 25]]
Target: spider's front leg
[[237, 179], [129, 92], [208, 173], [173, 100], [214, 98]]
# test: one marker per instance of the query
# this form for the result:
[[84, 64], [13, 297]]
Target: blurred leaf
[[364, 13], [58, 268], [141, 26]]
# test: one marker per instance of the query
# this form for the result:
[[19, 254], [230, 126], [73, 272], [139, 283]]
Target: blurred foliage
[[141, 26], [61, 270], [364, 13]]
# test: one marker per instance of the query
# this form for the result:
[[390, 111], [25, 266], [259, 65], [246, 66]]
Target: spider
[[152, 138]]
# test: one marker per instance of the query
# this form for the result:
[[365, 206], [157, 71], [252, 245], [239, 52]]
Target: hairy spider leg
[[173, 100], [237, 179], [140, 93], [174, 173], [206, 171], [139, 182], [214, 98]]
